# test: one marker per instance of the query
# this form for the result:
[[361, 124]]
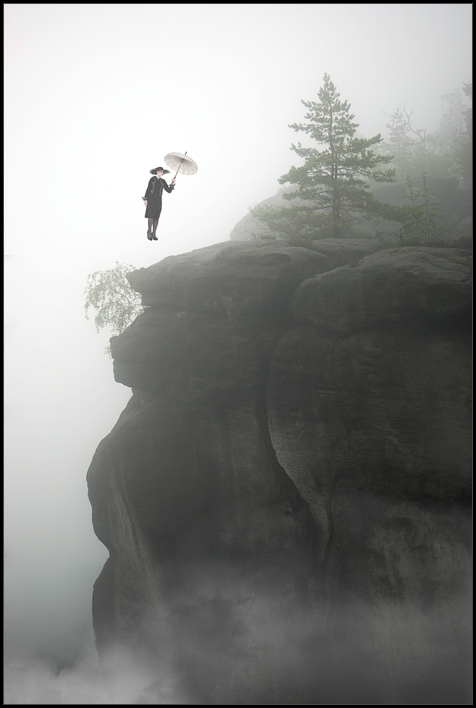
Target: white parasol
[[181, 163]]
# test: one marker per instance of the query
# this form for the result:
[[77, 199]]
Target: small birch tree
[[116, 304]]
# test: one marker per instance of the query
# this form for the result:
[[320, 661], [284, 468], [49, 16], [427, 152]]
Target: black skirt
[[153, 208]]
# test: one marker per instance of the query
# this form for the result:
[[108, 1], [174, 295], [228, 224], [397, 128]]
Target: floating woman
[[153, 199]]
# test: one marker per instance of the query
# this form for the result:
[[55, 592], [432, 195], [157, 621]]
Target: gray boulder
[[286, 499]]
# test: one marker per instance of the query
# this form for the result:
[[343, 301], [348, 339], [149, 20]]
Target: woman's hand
[[173, 181], [145, 202]]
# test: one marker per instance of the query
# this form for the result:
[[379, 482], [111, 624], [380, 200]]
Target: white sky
[[95, 96]]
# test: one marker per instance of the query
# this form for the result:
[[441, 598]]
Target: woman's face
[[160, 173]]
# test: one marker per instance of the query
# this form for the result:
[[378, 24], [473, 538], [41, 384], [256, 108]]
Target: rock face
[[248, 227], [286, 499]]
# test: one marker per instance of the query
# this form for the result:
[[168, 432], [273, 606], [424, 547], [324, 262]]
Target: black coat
[[153, 194]]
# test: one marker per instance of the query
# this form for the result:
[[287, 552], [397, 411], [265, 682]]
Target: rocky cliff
[[286, 499]]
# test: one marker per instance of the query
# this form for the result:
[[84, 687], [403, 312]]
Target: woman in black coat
[[153, 199]]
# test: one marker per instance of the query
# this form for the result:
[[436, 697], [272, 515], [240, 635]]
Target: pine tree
[[417, 151], [400, 144], [464, 143], [333, 184]]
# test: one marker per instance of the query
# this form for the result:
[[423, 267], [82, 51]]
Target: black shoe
[[154, 237], [149, 237]]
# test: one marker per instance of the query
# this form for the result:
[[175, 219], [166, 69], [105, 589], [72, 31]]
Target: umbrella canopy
[[181, 163]]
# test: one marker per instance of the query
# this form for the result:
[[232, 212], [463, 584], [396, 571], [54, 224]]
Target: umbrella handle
[[177, 170]]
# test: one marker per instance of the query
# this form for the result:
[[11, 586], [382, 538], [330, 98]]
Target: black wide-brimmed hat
[[156, 169]]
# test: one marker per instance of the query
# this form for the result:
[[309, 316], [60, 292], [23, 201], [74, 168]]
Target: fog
[[95, 96]]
